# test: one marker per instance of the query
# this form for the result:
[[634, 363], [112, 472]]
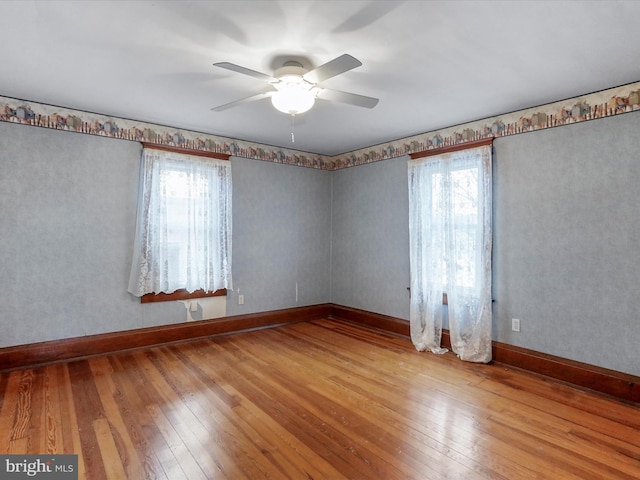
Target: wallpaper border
[[60, 118], [601, 104]]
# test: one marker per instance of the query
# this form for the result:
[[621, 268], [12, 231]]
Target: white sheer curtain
[[183, 231], [450, 250]]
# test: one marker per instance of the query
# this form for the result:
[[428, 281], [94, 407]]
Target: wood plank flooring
[[316, 400]]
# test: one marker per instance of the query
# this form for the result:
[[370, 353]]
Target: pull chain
[[293, 138]]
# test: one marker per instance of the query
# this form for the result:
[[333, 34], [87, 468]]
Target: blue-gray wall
[[67, 216], [67, 221], [370, 238], [566, 242], [281, 236]]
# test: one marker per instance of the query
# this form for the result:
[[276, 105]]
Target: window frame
[[471, 229], [183, 294], [448, 149]]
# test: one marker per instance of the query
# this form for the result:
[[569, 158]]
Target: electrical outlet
[[515, 324], [240, 299]]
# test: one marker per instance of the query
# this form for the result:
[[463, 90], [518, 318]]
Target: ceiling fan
[[293, 89]]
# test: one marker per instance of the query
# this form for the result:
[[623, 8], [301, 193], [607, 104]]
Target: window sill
[[181, 295]]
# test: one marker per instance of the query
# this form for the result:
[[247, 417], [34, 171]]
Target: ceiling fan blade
[[246, 71], [350, 98], [334, 67], [252, 98]]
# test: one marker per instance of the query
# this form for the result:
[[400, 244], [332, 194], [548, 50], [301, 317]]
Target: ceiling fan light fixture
[[293, 89], [294, 95]]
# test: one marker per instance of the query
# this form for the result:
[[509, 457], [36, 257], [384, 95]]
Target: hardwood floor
[[315, 400]]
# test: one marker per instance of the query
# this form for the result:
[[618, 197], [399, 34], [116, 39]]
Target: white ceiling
[[432, 64]]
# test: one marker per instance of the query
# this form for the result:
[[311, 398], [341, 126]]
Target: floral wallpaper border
[[59, 118], [613, 101]]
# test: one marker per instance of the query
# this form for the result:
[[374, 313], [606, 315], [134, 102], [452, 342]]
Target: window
[[464, 193], [183, 231], [450, 250]]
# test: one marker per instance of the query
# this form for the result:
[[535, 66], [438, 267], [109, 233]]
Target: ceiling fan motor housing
[[290, 68], [291, 73]]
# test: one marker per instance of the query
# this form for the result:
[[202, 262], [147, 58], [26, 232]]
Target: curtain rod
[[452, 148], [186, 151]]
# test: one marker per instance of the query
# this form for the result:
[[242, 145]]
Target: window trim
[[186, 151], [451, 148], [181, 294]]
